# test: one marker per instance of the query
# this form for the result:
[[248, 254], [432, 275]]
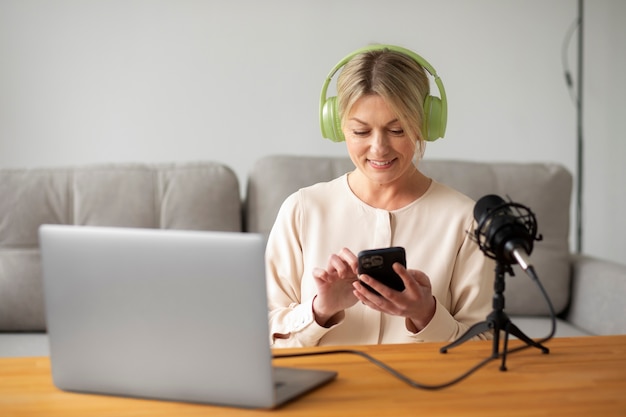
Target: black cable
[[569, 35], [576, 96], [412, 383], [532, 274]]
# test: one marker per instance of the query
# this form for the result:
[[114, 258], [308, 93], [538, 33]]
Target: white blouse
[[435, 229]]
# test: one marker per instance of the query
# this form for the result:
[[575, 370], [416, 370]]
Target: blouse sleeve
[[471, 290], [291, 319]]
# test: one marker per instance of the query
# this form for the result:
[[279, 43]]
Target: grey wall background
[[164, 81]]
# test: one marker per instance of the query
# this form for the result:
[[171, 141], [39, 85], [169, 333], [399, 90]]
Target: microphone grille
[[485, 205]]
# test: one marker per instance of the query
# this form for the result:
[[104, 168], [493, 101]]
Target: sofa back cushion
[[199, 196], [544, 187]]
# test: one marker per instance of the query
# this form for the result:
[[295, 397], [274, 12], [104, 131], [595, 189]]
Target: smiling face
[[378, 145]]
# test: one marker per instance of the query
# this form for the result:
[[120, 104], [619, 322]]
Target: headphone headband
[[435, 109]]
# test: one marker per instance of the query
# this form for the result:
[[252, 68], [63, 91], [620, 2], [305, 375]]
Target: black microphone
[[505, 231]]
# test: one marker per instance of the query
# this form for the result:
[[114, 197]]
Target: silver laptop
[[171, 315]]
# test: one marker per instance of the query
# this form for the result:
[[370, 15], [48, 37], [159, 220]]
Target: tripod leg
[[475, 330], [515, 331], [505, 348]]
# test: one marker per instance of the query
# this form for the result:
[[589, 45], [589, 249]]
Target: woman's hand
[[334, 286], [416, 302]]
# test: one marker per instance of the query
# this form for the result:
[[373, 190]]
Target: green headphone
[[435, 108]]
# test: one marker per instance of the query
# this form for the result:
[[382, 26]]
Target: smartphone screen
[[377, 263]]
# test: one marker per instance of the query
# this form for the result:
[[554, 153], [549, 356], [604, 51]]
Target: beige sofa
[[586, 292]]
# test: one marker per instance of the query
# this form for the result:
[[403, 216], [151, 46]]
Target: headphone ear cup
[[433, 114], [331, 125]]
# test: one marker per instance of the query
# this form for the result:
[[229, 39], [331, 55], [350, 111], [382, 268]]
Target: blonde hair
[[395, 77]]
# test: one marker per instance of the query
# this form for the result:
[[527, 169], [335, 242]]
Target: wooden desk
[[580, 377]]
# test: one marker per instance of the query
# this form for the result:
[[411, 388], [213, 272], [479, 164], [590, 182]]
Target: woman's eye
[[360, 132], [397, 132]]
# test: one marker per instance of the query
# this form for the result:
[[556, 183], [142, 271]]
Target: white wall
[[604, 109], [150, 81]]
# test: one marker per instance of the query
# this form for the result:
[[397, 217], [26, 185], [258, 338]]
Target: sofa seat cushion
[[538, 327]]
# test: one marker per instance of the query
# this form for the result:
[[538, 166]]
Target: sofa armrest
[[598, 289]]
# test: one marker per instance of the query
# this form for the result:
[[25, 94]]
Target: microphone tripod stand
[[498, 321]]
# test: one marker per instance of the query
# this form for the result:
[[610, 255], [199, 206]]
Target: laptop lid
[[172, 315]]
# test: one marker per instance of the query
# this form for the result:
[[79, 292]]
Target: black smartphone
[[377, 263]]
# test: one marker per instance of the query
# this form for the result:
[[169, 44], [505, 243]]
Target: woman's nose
[[380, 142]]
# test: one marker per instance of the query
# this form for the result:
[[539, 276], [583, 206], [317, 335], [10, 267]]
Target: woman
[[315, 295]]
